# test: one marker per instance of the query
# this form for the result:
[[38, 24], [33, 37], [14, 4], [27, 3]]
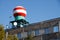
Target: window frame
[[19, 35], [37, 32], [47, 30], [56, 30]]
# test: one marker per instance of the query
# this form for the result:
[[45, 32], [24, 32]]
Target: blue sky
[[37, 10]]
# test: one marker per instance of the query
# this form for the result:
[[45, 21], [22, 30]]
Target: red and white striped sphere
[[19, 11]]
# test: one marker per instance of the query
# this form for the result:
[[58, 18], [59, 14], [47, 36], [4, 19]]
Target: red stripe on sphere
[[18, 9], [19, 14]]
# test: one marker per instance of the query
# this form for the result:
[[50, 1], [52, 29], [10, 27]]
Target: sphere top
[[19, 7]]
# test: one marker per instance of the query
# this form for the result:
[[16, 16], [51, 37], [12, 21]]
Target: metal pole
[[6, 32], [22, 26], [23, 33], [6, 35]]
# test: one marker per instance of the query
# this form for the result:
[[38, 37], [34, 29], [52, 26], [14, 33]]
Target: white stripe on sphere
[[22, 11]]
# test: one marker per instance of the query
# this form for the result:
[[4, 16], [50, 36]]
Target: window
[[36, 32], [10, 25], [19, 35], [24, 35], [29, 32], [55, 29], [41, 31], [47, 30]]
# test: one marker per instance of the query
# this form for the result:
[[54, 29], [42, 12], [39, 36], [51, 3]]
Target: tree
[[15, 38], [3, 35], [2, 32], [9, 37], [12, 37]]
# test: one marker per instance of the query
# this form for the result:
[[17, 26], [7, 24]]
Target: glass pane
[[36, 32], [47, 30], [29, 32], [55, 29], [19, 35]]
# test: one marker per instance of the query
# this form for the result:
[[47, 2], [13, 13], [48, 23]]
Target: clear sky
[[37, 10]]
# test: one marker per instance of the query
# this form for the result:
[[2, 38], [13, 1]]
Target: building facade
[[45, 30]]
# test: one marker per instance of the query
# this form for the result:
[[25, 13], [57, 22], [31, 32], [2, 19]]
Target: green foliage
[[2, 32], [9, 37], [3, 35], [12, 37], [15, 38]]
